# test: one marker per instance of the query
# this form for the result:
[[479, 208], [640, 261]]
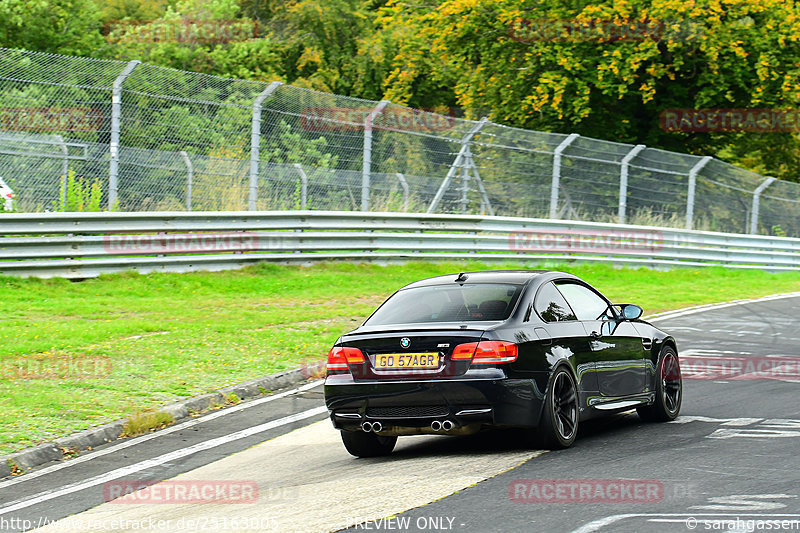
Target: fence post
[[464, 185], [189, 176], [557, 173], [367, 161], [116, 116], [404, 185], [692, 186], [623, 181], [64, 170], [255, 138], [756, 203], [486, 205], [466, 140], [303, 186]]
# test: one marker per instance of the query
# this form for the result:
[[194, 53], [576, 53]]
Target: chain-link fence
[[158, 139]]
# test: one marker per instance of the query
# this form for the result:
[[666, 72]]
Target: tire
[[361, 444], [559, 425], [669, 390]]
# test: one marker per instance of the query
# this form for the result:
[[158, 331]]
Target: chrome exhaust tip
[[436, 425], [377, 426], [367, 427], [447, 425]]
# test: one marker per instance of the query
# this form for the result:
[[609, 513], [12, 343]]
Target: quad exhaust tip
[[436, 425], [367, 427]]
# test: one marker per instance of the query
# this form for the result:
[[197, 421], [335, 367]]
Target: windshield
[[448, 303]]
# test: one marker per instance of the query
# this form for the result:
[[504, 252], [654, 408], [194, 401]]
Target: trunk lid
[[422, 352]]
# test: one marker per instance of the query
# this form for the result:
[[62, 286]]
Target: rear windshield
[[448, 303]]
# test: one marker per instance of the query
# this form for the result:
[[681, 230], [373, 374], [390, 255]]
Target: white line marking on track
[[710, 307], [754, 433], [738, 422], [156, 461], [172, 429], [744, 502]]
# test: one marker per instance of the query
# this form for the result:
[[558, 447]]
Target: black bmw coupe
[[455, 354]]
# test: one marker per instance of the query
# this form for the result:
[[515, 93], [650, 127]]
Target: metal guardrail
[[81, 245]]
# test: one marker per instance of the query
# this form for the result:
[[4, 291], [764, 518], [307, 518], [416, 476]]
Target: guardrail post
[[623, 181], [557, 173], [189, 178], [756, 203], [366, 169], [692, 187], [457, 163], [255, 138], [116, 116], [303, 186], [404, 185]]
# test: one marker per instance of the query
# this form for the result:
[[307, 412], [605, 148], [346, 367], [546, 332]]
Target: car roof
[[518, 277]]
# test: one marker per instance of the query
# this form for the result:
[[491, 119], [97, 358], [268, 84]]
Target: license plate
[[407, 360]]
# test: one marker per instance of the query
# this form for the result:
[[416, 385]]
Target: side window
[[551, 305], [586, 303]]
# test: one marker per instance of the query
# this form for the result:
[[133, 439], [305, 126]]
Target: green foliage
[[778, 231], [319, 39], [116, 10], [81, 195], [293, 147], [736, 54], [320, 44], [69, 27]]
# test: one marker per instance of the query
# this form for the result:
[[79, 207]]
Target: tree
[[320, 40], [308, 43], [63, 26], [609, 69]]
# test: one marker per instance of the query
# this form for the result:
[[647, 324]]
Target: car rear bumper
[[489, 399]]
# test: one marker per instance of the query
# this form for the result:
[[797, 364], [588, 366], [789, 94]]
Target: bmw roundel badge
[[405, 342]]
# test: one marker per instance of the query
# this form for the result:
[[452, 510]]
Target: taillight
[[341, 356], [486, 352], [464, 351]]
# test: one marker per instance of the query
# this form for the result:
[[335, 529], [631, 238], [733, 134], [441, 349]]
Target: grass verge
[[74, 355]]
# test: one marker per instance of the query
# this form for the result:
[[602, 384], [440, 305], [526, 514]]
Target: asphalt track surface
[[729, 463]]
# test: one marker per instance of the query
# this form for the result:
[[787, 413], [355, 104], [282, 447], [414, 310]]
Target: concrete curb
[[93, 437]]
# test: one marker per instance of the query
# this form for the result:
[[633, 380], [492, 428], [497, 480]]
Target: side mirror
[[630, 311]]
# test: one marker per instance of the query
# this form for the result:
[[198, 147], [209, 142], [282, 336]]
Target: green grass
[[148, 340]]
